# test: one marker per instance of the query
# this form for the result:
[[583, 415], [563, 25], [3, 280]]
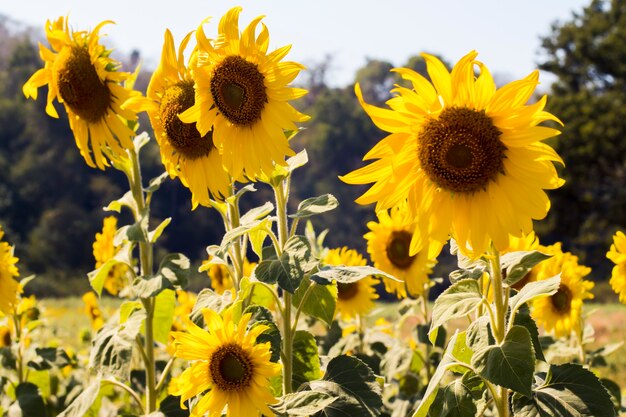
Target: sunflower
[[5, 336], [92, 310], [617, 254], [229, 368], [469, 158], [354, 298], [388, 243], [221, 279], [184, 152], [560, 313], [242, 94], [103, 250], [80, 74], [9, 287]]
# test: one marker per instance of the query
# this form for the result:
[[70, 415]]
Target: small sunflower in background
[[242, 94], [219, 274], [354, 298], [229, 368], [388, 243], [468, 157], [104, 249], [617, 254], [9, 286], [560, 313], [80, 74], [185, 153], [5, 336], [92, 310]]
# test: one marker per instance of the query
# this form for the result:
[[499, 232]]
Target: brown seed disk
[[230, 367], [397, 249]]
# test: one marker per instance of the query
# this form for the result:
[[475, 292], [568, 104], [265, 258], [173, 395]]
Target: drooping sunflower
[[221, 279], [354, 298], [617, 254], [469, 157], [560, 313], [242, 94], [9, 286], [105, 249], [229, 369], [388, 243], [80, 74], [185, 153]]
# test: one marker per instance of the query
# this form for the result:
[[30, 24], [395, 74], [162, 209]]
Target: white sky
[[504, 32]]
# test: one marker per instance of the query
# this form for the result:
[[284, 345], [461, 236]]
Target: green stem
[[164, 374], [19, 355], [426, 314], [146, 259], [281, 212], [502, 402], [237, 255], [129, 390]]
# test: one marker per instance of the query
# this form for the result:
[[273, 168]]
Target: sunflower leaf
[[566, 390], [126, 200], [306, 361], [315, 205], [303, 403], [320, 302], [28, 401], [516, 265], [534, 290], [354, 386], [155, 183], [48, 358], [347, 274], [510, 364], [289, 269], [211, 300], [83, 402], [458, 300]]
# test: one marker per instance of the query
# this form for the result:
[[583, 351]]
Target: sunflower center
[[398, 249], [230, 367], [79, 85], [461, 151], [562, 299], [184, 137], [347, 290], [5, 336], [238, 89]]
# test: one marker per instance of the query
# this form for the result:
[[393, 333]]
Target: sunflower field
[[287, 325]]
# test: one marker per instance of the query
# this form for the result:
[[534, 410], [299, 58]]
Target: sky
[[505, 33]]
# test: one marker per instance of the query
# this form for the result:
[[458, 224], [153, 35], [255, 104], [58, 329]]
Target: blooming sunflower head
[[229, 368], [242, 93], [104, 249], [388, 243], [468, 157], [185, 152], [353, 298], [9, 286], [617, 254], [560, 313], [80, 74]]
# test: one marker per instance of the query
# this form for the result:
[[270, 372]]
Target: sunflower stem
[[280, 193], [502, 402], [146, 259], [234, 221]]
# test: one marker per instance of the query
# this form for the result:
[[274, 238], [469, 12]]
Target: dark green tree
[[588, 55]]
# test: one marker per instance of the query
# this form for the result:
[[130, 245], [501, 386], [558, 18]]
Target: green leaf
[[49, 357], [567, 390], [126, 200], [138, 231], [290, 268], [306, 361], [257, 213], [315, 205], [112, 347], [321, 300], [298, 160], [511, 364], [98, 276], [458, 400], [479, 334], [458, 300], [354, 386], [303, 403], [156, 233], [140, 141], [446, 362], [347, 274], [28, 402], [523, 318], [207, 298], [156, 182], [534, 290], [81, 405], [271, 335], [170, 407], [172, 274], [256, 293], [516, 265], [165, 304]]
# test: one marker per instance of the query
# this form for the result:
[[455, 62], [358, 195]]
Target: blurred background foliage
[[51, 202]]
